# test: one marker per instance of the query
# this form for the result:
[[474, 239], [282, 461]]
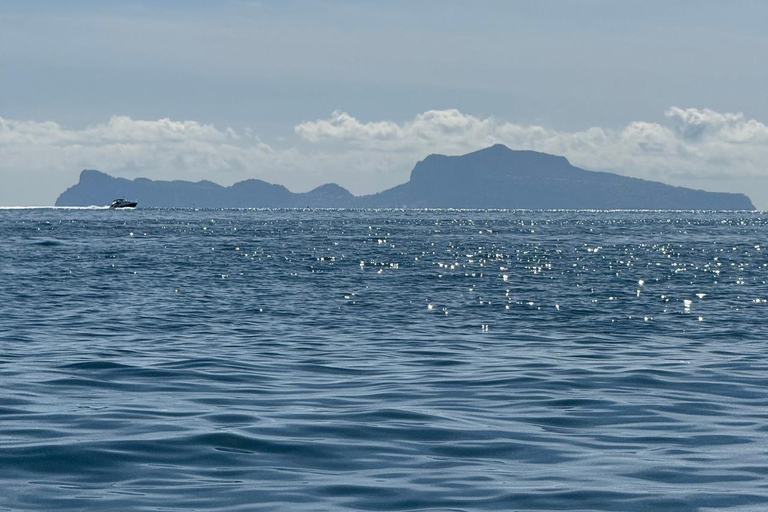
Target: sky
[[303, 92]]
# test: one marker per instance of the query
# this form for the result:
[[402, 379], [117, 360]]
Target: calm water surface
[[383, 360]]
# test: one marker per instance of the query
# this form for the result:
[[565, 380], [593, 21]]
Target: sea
[[383, 360]]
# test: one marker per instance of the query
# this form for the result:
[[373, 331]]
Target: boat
[[123, 203]]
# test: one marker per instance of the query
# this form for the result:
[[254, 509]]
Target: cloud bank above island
[[691, 143], [688, 146]]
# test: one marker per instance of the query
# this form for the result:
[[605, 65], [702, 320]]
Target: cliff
[[495, 177]]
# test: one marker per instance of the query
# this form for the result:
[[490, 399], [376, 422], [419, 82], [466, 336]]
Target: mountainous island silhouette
[[494, 177]]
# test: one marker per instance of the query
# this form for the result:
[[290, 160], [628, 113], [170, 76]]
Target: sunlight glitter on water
[[324, 372]]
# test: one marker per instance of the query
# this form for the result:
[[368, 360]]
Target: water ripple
[[232, 360]]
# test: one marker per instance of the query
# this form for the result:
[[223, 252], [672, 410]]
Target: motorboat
[[123, 203]]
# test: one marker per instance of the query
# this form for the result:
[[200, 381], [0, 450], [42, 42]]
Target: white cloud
[[446, 128], [163, 147], [38, 160], [692, 143], [41, 159]]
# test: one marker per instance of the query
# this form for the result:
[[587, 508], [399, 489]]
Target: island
[[492, 178]]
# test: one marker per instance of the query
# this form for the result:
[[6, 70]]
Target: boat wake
[[54, 207]]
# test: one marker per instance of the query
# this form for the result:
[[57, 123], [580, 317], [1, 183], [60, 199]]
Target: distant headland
[[495, 177]]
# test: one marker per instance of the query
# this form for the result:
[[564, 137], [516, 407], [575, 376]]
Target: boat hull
[[123, 203]]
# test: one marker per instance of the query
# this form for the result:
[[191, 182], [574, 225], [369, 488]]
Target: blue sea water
[[241, 360]]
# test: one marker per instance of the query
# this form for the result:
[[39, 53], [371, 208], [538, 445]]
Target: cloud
[[691, 143], [442, 127], [118, 129], [161, 148], [688, 146], [38, 160], [694, 124]]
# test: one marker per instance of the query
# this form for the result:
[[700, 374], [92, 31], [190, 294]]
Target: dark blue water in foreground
[[383, 360]]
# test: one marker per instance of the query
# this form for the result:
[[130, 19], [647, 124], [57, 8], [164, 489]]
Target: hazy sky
[[303, 92]]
